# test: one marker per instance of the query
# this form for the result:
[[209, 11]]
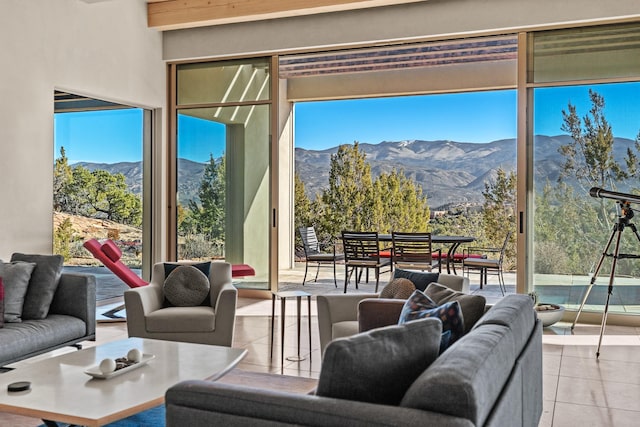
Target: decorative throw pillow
[[15, 278], [42, 285], [420, 280], [1, 303], [378, 366], [420, 306], [398, 289], [472, 306], [186, 286]]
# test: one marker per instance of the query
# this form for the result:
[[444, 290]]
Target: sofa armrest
[[225, 310], [139, 302], [76, 296], [202, 403], [378, 312], [337, 308]]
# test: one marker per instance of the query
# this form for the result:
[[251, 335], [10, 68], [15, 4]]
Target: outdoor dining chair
[[314, 254], [487, 264], [362, 252], [413, 251]]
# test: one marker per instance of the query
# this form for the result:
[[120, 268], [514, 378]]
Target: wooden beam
[[176, 14]]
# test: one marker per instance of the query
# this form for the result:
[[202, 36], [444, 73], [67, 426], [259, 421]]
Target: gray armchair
[[338, 314], [147, 316]]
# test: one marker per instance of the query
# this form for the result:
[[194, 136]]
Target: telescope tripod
[[624, 221]]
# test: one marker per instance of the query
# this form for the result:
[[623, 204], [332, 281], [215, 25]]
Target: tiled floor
[[578, 389]]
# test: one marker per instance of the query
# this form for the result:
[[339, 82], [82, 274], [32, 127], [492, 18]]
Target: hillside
[[86, 228]]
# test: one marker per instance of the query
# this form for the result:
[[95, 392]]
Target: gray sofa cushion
[[15, 277], [35, 335], [473, 306], [378, 366], [43, 284]]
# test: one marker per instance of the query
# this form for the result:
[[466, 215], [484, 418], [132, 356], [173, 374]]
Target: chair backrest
[[361, 246], [309, 240], [411, 248], [504, 246]]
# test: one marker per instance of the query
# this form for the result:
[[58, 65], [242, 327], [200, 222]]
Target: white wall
[[101, 49]]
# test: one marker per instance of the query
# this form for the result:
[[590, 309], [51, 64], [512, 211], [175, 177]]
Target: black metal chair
[[486, 264], [313, 253], [413, 251], [362, 252]]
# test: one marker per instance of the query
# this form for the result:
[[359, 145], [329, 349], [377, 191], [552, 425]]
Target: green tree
[[399, 204], [109, 196], [79, 192], [303, 214], [62, 177], [498, 216], [346, 203], [208, 215], [62, 238], [589, 157]]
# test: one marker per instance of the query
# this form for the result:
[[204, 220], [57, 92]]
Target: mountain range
[[449, 172]]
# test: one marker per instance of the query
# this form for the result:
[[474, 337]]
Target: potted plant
[[547, 313]]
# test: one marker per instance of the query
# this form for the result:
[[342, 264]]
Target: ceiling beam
[[177, 14]]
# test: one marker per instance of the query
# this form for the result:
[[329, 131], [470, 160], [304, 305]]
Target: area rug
[[155, 417]]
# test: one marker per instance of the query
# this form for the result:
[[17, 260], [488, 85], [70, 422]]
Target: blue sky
[[480, 117], [107, 136]]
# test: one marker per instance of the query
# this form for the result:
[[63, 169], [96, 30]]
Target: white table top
[[61, 391]]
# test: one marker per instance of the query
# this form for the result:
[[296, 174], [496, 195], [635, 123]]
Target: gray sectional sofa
[[70, 320], [492, 376]]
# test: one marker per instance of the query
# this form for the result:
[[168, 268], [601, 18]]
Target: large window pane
[[223, 187], [572, 153]]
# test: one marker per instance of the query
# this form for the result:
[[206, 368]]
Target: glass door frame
[[172, 166]]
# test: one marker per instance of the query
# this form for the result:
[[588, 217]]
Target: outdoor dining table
[[454, 241]]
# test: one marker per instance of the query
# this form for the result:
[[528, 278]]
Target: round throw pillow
[[398, 288], [186, 286]]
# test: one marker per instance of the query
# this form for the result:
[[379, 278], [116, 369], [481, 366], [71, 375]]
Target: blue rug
[[153, 417]]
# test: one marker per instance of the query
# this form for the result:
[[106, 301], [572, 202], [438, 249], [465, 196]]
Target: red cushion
[[111, 250], [456, 257], [385, 254], [240, 270]]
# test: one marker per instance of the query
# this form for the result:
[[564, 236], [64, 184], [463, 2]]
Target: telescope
[[607, 194]]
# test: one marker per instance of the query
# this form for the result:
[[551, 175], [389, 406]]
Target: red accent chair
[[109, 254]]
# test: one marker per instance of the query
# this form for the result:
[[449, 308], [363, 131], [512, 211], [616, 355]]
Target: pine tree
[[62, 177], [347, 202], [208, 215]]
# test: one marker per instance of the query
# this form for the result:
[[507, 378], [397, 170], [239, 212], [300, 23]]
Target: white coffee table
[[61, 391]]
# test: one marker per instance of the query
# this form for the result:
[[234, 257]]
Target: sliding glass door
[[223, 165]]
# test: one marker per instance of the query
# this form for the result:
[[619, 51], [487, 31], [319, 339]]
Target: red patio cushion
[[240, 270]]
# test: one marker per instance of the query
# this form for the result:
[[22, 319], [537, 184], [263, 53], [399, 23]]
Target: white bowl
[[549, 317]]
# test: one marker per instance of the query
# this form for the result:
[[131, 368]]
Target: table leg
[[450, 254], [282, 311], [298, 358], [273, 313], [299, 304], [309, 311]]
